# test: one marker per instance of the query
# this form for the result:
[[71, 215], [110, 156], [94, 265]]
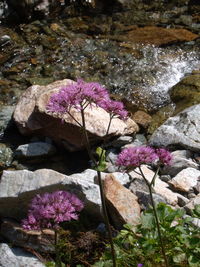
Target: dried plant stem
[[149, 184]]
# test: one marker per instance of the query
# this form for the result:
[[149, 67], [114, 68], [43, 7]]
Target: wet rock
[[185, 180], [187, 92], [37, 240], [17, 257], [123, 205], [159, 36], [181, 159], [160, 188], [35, 150], [6, 156], [32, 117], [180, 131], [17, 188]]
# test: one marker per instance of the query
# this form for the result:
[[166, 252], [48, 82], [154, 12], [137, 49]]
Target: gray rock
[[182, 201], [181, 159], [36, 149], [17, 257], [185, 180], [17, 188], [165, 178], [161, 188], [5, 116], [182, 130], [121, 141], [190, 206], [139, 140], [145, 200], [37, 240]]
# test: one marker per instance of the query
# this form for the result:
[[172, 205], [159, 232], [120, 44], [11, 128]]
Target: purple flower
[[77, 95], [50, 209], [135, 156], [81, 94], [165, 157], [139, 265], [115, 108]]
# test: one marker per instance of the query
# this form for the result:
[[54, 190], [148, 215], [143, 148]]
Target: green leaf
[[102, 159], [148, 221]]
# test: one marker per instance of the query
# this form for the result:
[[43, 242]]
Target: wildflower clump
[[80, 95], [49, 209], [136, 156], [130, 158]]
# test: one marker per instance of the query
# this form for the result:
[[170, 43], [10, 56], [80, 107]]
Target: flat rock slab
[[17, 257], [182, 130]]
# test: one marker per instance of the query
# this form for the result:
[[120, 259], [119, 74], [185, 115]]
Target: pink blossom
[[115, 108], [50, 209], [165, 157], [135, 156], [81, 94]]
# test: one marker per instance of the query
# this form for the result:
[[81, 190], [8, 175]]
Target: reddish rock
[[142, 118], [122, 204], [159, 36], [32, 117]]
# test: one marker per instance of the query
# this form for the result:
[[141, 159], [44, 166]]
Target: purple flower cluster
[[165, 157], [50, 209], [136, 156], [81, 94]]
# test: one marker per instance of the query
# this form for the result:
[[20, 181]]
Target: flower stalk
[[130, 158], [79, 96]]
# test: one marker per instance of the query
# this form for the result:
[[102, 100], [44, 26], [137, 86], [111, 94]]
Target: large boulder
[[182, 130], [17, 188], [32, 117]]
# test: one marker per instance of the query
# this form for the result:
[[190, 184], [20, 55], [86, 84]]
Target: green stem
[[89, 150], [106, 218], [155, 213], [57, 262], [105, 214]]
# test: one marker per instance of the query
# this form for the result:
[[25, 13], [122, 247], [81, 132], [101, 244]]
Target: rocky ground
[[38, 153]]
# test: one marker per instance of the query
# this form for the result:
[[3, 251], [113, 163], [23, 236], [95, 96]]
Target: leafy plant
[[181, 237]]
